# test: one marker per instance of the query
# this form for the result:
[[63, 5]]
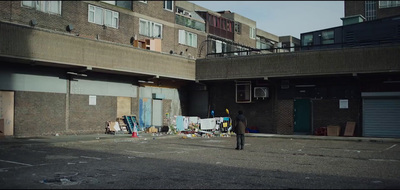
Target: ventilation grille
[[260, 92]]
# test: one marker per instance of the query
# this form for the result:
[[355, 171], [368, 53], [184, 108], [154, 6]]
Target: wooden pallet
[[122, 124]]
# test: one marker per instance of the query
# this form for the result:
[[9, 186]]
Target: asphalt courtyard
[[173, 162]]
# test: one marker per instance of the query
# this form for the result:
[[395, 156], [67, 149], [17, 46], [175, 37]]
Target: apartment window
[[123, 4], [388, 4], [328, 37], [307, 40], [168, 5], [244, 51], [109, 2], [370, 10], [150, 29], [252, 33], [187, 38], [102, 16], [243, 92], [53, 7], [261, 44], [220, 46], [238, 27]]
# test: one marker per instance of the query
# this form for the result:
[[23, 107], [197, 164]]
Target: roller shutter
[[381, 115]]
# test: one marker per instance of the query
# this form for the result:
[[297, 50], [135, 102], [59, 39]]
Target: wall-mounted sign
[[344, 104], [92, 100]]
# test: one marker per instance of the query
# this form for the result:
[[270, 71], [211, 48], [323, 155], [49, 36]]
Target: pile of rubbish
[[195, 131], [188, 127]]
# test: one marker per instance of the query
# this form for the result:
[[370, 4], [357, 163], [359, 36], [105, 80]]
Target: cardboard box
[[333, 130], [349, 130], [1, 127], [152, 130]]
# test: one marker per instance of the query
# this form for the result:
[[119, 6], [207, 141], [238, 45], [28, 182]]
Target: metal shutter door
[[157, 113], [381, 117]]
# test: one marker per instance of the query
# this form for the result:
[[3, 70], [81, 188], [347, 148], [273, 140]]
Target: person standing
[[239, 129]]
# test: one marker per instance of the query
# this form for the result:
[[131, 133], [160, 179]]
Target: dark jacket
[[240, 124]]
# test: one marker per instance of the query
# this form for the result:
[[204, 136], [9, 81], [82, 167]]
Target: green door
[[302, 116]]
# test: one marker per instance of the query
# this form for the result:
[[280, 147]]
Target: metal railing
[[363, 43]]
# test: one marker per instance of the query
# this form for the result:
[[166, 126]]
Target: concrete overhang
[[346, 61], [25, 45]]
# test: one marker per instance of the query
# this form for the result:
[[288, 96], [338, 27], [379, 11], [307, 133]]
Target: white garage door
[[157, 113]]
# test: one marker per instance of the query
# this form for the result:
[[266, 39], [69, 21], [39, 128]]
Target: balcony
[[188, 22]]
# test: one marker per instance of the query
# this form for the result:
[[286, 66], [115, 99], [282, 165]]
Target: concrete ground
[[103, 161]]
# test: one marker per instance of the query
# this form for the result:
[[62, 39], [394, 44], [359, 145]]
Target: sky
[[284, 18]]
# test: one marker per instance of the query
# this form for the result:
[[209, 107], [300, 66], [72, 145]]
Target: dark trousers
[[239, 141]]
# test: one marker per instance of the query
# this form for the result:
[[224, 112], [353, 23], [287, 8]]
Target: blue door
[[302, 116]]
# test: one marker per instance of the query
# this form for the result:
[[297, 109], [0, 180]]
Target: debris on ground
[[188, 127]]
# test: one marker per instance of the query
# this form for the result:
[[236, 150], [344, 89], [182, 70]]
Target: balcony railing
[[370, 43], [191, 23], [220, 32]]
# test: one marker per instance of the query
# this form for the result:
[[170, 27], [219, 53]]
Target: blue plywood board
[[145, 113], [179, 123]]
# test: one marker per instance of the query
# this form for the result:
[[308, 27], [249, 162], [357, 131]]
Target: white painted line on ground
[[15, 163], [91, 157], [139, 152], [391, 147], [382, 160]]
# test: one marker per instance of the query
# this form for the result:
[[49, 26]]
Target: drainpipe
[[312, 116], [67, 98], [138, 104]]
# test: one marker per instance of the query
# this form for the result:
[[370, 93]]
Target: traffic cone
[[134, 132]]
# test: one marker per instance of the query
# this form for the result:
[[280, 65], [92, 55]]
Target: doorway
[[6, 113], [302, 116], [157, 120]]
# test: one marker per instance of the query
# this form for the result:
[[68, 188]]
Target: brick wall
[[191, 51], [135, 107], [284, 117], [85, 118], [5, 10], [327, 112], [358, 7], [260, 113], [354, 8], [244, 37], [166, 109], [155, 9], [388, 12], [76, 14], [38, 114]]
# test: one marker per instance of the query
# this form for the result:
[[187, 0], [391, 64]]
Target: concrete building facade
[[371, 10], [67, 67], [70, 73]]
